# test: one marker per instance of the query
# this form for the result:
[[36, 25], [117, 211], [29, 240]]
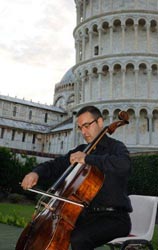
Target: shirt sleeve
[[117, 161], [53, 169]]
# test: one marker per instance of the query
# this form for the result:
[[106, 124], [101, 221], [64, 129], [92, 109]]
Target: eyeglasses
[[86, 125]]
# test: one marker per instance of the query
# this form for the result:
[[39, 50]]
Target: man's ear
[[100, 122]]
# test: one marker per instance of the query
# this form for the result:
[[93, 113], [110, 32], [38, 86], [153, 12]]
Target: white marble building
[[117, 65], [116, 69], [25, 127]]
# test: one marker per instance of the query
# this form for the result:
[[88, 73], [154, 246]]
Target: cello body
[[51, 228]]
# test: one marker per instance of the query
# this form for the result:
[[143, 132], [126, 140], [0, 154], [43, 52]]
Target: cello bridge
[[47, 206]]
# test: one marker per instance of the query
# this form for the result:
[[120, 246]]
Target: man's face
[[89, 126]]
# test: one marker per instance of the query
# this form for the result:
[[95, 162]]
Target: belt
[[101, 209]]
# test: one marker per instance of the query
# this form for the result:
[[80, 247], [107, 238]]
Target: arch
[[115, 114], [86, 73], [106, 117], [154, 69], [105, 26], [144, 111], [131, 112], [105, 69], [86, 31], [130, 67], [71, 99], [142, 24], [116, 25], [60, 102], [105, 113], [143, 125], [95, 71], [143, 68], [155, 113], [80, 33], [95, 29], [118, 132], [155, 120], [153, 25], [117, 68], [129, 23], [131, 128]]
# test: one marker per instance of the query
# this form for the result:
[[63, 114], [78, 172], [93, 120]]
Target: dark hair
[[91, 109]]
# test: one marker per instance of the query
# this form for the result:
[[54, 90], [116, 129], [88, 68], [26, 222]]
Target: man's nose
[[83, 131]]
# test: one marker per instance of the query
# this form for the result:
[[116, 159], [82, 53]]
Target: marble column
[[111, 84], [150, 128], [136, 37], [123, 38], [83, 46], [111, 39], [136, 82], [148, 38], [100, 39], [137, 130], [149, 83], [90, 42], [123, 83]]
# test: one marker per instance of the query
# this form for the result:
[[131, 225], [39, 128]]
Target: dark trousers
[[93, 229]]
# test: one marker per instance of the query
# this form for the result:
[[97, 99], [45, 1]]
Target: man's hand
[[30, 180], [78, 157]]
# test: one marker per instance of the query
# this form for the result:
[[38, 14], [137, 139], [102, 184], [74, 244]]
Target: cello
[[51, 226]]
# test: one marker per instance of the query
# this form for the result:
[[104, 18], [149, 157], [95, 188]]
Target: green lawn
[[16, 214], [22, 210], [155, 238], [20, 215]]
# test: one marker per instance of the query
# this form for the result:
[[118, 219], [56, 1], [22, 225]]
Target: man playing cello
[[107, 216]]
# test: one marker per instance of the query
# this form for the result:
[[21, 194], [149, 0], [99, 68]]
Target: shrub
[[16, 198], [12, 170], [142, 181], [13, 219], [144, 176]]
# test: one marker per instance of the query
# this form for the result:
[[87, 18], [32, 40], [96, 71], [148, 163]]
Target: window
[[13, 135], [2, 132], [46, 117], [33, 139], [30, 114], [96, 50], [49, 147], [14, 111], [148, 126], [61, 145], [23, 136]]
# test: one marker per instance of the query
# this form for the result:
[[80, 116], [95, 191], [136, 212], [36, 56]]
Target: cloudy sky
[[36, 46]]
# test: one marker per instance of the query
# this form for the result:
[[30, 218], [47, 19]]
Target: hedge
[[143, 180], [144, 177], [12, 170]]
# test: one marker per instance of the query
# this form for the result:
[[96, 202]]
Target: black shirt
[[112, 158]]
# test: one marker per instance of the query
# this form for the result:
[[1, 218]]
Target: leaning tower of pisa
[[117, 64]]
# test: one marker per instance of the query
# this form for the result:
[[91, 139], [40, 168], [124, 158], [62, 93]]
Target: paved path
[[10, 234]]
